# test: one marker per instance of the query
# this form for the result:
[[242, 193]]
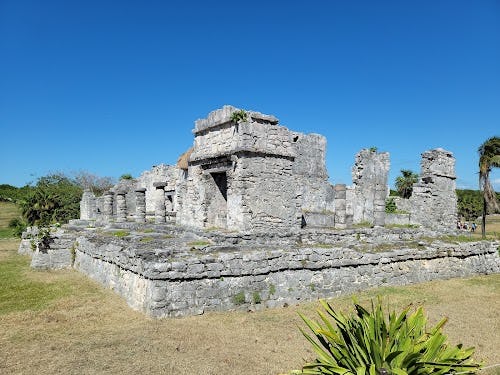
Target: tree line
[[54, 198]]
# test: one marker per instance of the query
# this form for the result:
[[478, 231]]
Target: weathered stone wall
[[269, 195], [59, 254], [433, 203], [162, 285], [159, 173], [309, 169], [240, 174], [369, 177]]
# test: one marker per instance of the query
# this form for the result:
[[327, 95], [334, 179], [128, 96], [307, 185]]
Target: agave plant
[[368, 343]]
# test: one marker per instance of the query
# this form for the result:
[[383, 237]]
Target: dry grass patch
[[492, 228], [92, 331]]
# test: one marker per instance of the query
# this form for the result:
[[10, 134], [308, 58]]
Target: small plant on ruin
[[239, 298], [256, 298], [373, 149], [121, 233], [374, 343], [272, 289], [390, 206], [239, 116], [126, 176], [42, 240]]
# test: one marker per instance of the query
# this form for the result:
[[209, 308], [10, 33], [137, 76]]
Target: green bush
[[239, 298], [390, 206], [55, 198], [18, 226], [368, 343], [126, 176], [239, 116]]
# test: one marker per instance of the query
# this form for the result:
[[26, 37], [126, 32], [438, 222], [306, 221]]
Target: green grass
[[20, 293], [8, 211]]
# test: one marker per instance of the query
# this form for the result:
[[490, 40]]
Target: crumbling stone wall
[[240, 174], [158, 173], [433, 203], [370, 189], [309, 169], [161, 283], [256, 175]]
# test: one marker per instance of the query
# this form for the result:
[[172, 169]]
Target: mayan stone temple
[[247, 219]]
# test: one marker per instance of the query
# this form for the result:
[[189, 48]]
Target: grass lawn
[[492, 227], [8, 211], [60, 322]]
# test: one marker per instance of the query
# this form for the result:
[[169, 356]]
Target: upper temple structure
[[247, 173]]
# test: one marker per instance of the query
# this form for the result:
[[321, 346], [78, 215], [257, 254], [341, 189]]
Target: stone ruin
[[255, 175], [247, 218]]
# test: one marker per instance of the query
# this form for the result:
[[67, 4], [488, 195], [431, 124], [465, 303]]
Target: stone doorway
[[217, 200]]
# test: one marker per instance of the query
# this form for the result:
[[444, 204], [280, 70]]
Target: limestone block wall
[[60, 253], [191, 210], [269, 193], [250, 136], [369, 176], [309, 169], [177, 286], [433, 203]]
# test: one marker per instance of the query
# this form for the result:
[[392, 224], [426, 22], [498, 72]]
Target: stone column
[[140, 205], [340, 206], [160, 209], [107, 208], [379, 206], [88, 208], [121, 207]]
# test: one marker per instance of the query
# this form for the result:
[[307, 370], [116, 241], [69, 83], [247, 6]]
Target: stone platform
[[168, 271]]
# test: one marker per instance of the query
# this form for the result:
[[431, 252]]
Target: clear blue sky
[[114, 87]]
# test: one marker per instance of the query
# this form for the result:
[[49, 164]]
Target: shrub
[[18, 226], [239, 298], [55, 198], [239, 116], [368, 343], [390, 206], [256, 298]]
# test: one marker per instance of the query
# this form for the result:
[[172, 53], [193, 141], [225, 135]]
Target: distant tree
[[469, 204], [404, 183], [55, 198], [12, 193], [489, 157], [96, 184]]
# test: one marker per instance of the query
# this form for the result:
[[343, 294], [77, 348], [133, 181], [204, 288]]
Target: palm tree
[[489, 157], [404, 183]]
